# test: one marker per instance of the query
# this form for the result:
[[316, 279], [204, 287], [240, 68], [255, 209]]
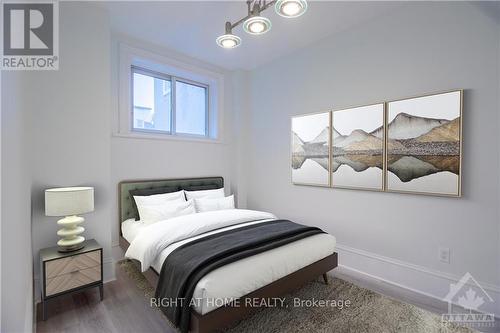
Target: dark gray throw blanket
[[187, 264]]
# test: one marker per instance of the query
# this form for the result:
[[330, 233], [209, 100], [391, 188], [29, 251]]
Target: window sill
[[166, 137]]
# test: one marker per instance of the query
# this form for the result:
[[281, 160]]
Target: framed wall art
[[358, 147], [424, 144], [310, 143]]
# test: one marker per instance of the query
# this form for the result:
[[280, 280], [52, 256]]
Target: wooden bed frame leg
[[325, 277]]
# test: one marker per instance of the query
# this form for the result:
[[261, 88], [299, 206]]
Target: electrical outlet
[[444, 254]]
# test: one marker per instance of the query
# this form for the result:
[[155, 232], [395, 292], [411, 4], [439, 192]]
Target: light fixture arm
[[255, 7], [229, 27]]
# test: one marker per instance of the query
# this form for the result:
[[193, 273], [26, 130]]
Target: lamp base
[[70, 233], [65, 249]]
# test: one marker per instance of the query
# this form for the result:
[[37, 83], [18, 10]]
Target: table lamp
[[69, 202]]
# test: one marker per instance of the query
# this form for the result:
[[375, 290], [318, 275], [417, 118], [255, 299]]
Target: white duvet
[[152, 245], [153, 239]]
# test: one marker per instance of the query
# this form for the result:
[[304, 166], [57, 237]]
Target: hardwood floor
[[124, 309]]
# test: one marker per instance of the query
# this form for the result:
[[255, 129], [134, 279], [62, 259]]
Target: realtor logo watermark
[[30, 35], [465, 299]]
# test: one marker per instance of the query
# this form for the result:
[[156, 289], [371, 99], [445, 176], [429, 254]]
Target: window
[[163, 98], [168, 104], [152, 101], [191, 106]]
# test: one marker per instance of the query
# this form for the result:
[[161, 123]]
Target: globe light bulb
[[290, 8], [257, 25], [228, 41]]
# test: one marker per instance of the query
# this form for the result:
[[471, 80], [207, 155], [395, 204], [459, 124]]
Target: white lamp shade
[[66, 201]]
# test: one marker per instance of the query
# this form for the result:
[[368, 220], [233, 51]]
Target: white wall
[[16, 279], [57, 131], [419, 48], [498, 98], [133, 158], [68, 120], [241, 107], [0, 197]]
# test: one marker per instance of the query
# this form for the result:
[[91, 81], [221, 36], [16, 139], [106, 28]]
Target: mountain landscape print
[[409, 146], [357, 149], [424, 140], [310, 149]]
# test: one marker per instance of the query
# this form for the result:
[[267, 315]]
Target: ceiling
[[191, 28]]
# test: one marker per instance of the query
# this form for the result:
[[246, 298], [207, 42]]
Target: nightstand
[[64, 273]]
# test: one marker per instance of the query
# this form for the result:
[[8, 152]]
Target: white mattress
[[244, 276]]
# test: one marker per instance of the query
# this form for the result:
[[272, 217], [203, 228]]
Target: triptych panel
[[358, 147], [311, 149], [424, 144]]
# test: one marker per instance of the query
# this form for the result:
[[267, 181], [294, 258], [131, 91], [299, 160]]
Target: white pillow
[[158, 198], [209, 204], [153, 213], [212, 194]]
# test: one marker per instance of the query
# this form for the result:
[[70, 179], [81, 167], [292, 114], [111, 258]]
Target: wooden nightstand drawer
[[70, 264], [67, 272], [72, 280]]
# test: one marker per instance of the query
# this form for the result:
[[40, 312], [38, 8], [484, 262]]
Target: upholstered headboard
[[125, 201]]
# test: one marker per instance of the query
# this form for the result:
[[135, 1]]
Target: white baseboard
[[109, 270], [28, 318], [407, 279]]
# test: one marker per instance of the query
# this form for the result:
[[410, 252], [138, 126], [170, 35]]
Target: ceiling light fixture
[[228, 40], [290, 8], [256, 24]]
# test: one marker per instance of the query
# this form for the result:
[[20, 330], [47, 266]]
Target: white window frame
[[130, 57]]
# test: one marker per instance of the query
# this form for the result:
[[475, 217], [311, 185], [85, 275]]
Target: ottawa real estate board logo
[[465, 299], [30, 35]]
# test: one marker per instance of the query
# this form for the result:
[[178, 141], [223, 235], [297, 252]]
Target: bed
[[264, 275]]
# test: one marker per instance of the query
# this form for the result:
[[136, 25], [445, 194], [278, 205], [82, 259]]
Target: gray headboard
[[125, 201]]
